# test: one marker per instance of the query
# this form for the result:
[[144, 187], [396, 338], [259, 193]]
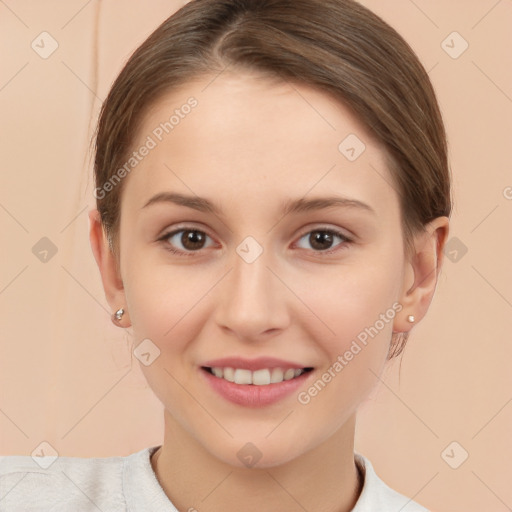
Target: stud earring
[[411, 318], [118, 315]]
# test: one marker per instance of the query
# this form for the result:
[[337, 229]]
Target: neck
[[324, 478]]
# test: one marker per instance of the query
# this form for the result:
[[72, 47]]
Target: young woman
[[273, 198]]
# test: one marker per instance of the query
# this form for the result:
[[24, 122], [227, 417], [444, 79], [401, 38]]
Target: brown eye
[[185, 240], [322, 240]]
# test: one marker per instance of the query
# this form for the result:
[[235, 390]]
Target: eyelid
[[177, 229], [346, 239], [344, 233]]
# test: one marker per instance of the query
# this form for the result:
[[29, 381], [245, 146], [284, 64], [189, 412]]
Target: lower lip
[[251, 395]]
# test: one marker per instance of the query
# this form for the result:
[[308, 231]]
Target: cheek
[[357, 308], [161, 297], [348, 300], [166, 304], [359, 304]]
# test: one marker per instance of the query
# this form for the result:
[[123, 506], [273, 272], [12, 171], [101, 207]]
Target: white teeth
[[229, 374], [217, 372], [259, 377], [243, 376], [289, 374], [277, 375]]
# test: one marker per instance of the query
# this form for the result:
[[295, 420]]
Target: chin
[[258, 453]]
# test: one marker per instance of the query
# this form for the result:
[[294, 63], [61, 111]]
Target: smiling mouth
[[262, 377]]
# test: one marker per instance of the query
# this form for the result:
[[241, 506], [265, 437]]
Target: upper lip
[[252, 364]]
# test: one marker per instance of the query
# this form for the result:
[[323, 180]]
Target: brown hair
[[336, 46]]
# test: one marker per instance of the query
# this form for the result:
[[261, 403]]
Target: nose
[[252, 301]]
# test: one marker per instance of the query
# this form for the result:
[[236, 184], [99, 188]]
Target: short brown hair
[[337, 46]]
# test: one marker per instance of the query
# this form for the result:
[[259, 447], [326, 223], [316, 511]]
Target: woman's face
[[252, 279]]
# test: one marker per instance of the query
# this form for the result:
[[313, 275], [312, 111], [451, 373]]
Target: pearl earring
[[411, 318]]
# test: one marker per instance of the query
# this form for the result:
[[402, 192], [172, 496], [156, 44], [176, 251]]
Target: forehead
[[258, 137]]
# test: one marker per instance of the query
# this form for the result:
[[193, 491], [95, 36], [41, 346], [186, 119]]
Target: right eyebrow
[[195, 202]]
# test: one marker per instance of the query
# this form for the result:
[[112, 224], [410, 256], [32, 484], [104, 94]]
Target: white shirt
[[129, 484]]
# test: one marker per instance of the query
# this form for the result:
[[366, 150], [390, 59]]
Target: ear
[[109, 267], [421, 273]]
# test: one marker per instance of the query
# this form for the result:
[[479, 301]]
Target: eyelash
[[346, 240]]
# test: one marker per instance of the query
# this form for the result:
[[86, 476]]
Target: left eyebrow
[[306, 205], [291, 206]]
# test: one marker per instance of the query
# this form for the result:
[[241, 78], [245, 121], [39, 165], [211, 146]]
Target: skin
[[248, 146]]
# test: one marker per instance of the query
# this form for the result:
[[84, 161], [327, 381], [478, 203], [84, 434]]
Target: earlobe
[[109, 269], [421, 273]]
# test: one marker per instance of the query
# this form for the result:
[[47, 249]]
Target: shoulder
[[61, 483], [377, 495]]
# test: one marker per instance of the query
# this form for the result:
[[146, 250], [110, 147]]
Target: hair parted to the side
[[337, 46]]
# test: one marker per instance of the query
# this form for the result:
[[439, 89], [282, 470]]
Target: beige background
[[66, 374]]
